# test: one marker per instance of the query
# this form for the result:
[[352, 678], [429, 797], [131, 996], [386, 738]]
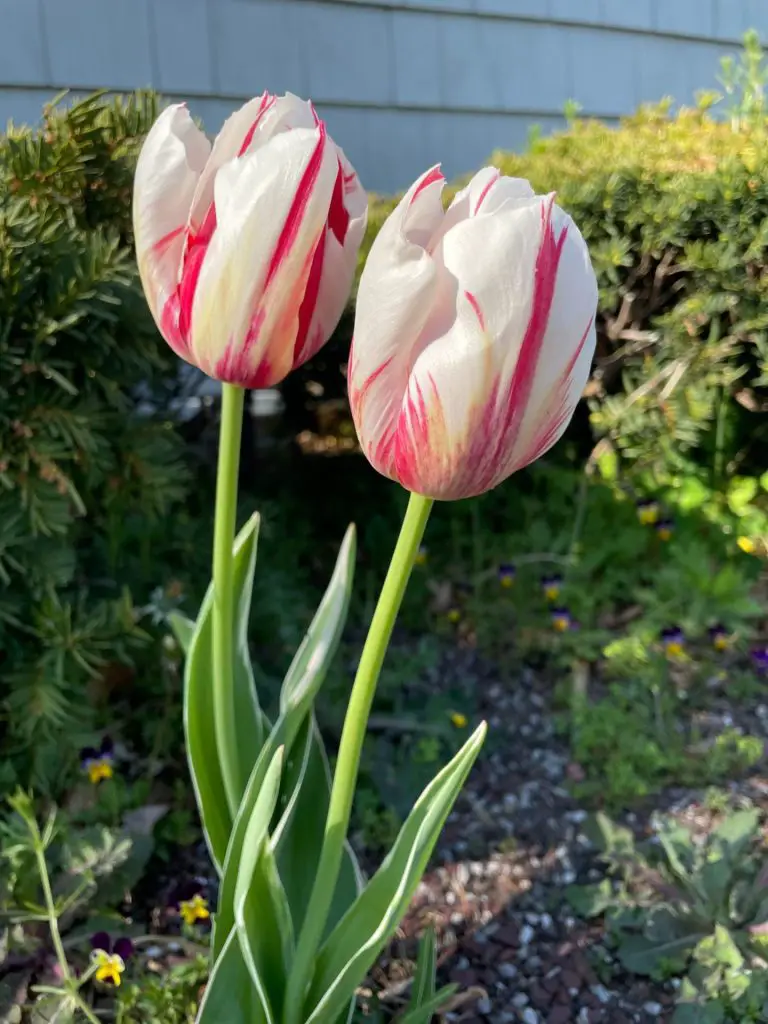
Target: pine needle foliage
[[76, 463]]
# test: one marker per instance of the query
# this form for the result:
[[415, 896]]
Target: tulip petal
[[334, 266], [168, 170], [236, 135], [496, 371], [394, 303], [250, 127], [271, 209]]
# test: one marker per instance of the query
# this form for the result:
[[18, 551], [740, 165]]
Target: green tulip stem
[[232, 402], [348, 763]]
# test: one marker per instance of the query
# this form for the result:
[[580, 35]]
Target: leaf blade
[[358, 938]]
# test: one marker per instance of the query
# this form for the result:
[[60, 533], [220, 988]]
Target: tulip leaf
[[199, 712], [425, 1001], [423, 1013], [318, 647], [298, 836], [183, 629], [262, 915], [299, 690], [426, 967], [229, 993], [252, 807], [362, 933]]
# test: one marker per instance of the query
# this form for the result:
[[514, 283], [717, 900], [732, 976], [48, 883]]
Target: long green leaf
[[228, 994], [298, 694], [250, 722], [426, 968], [262, 916], [318, 647], [298, 836], [199, 721], [183, 629], [423, 1013], [362, 933]]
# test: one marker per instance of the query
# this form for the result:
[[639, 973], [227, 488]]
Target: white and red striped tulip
[[247, 248], [474, 335]]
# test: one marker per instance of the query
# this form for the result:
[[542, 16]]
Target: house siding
[[402, 85]]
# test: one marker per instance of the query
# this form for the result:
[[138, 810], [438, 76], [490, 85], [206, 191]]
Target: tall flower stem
[[350, 748], [232, 403]]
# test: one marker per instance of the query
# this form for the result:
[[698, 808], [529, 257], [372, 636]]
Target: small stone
[[653, 1009], [519, 1000], [540, 997], [530, 1016], [153, 952], [575, 817], [546, 921], [464, 979], [602, 993], [560, 1015], [507, 971], [526, 934], [571, 980], [484, 1005]]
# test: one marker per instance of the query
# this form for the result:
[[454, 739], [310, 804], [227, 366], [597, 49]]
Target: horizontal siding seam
[[362, 105], [528, 19]]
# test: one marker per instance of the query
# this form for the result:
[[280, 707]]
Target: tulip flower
[[474, 334], [247, 248]]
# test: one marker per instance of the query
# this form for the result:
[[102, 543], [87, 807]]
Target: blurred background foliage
[[105, 473]]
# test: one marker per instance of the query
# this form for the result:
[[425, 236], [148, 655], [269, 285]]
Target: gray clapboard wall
[[401, 84]]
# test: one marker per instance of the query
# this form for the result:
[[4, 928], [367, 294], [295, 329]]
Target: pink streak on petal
[[521, 385], [298, 208], [233, 366], [476, 306], [195, 249], [169, 326], [162, 243], [309, 302], [484, 193], [558, 408], [430, 178], [357, 394], [338, 218], [267, 102]]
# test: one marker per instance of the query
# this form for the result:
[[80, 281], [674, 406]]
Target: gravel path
[[496, 898]]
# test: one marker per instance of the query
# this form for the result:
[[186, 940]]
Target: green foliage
[[171, 998], [84, 480], [58, 885], [688, 905]]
